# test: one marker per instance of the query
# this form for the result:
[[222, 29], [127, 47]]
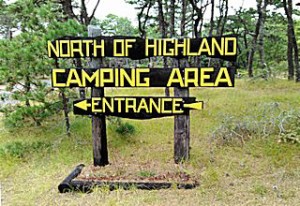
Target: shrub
[[21, 149], [120, 127], [265, 121]]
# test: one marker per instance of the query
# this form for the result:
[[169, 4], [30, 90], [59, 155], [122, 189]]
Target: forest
[[243, 146]]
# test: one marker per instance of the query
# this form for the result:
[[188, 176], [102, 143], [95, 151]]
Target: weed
[[260, 190], [145, 173], [120, 127]]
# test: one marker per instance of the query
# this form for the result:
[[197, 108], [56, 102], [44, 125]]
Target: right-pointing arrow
[[196, 105], [83, 105]]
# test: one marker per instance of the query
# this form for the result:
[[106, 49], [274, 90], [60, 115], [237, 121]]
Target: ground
[[259, 171]]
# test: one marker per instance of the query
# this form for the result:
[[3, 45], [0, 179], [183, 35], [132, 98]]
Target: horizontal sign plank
[[222, 47], [136, 107], [144, 77]]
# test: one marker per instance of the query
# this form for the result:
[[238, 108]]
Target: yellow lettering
[[67, 42], [87, 43], [153, 104], [53, 49], [143, 105], [103, 78], [116, 43], [164, 110], [189, 53], [176, 106], [73, 78], [124, 75], [127, 45], [234, 42], [109, 105], [226, 79], [76, 50], [194, 79], [171, 51], [86, 77], [130, 106], [204, 47], [150, 46], [203, 77], [178, 45], [54, 78], [146, 82], [100, 46], [215, 45], [95, 102], [172, 79], [119, 100]]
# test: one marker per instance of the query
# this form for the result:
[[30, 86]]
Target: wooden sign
[[223, 47], [136, 107], [144, 77]]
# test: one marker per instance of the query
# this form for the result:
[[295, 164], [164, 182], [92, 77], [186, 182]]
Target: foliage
[[114, 25], [232, 177], [145, 173], [24, 62], [265, 121], [22, 149], [120, 127]]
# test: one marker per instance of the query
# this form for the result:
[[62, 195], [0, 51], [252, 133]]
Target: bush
[[125, 129], [121, 128], [265, 121], [21, 149]]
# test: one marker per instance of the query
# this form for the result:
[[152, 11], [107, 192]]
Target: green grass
[[260, 172]]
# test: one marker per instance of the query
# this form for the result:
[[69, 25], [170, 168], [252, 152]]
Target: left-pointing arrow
[[83, 105]]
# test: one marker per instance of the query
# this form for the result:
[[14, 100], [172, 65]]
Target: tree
[[258, 36], [25, 62], [114, 25], [293, 53]]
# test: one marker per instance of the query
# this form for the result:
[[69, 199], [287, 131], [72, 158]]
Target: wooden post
[[181, 131], [100, 152]]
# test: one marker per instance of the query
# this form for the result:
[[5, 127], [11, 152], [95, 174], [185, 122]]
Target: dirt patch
[[139, 172]]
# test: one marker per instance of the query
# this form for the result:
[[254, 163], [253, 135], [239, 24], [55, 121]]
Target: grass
[[260, 172]]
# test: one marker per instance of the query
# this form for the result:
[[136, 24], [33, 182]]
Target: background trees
[[24, 62]]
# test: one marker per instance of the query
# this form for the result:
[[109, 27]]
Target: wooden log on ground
[[87, 186], [66, 184]]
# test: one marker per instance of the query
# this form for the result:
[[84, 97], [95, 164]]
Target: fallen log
[[65, 185]]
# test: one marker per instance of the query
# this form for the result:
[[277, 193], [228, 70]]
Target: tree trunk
[[290, 52], [212, 13], [66, 111], [261, 36], [173, 18], [254, 40], [65, 105], [292, 42]]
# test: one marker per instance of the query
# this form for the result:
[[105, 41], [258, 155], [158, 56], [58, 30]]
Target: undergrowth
[[262, 121], [20, 149]]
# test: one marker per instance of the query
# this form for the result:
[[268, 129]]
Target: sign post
[[181, 130], [100, 153]]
